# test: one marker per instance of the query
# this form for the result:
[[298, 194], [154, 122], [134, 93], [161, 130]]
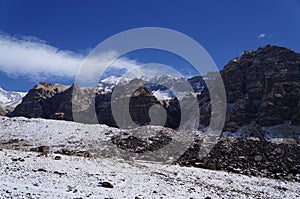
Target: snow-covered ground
[[54, 133], [26, 174], [23, 174], [281, 133]]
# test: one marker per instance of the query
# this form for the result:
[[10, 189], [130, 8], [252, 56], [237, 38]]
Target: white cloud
[[35, 59], [103, 63], [262, 35]]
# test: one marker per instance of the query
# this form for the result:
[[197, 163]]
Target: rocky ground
[[249, 157]]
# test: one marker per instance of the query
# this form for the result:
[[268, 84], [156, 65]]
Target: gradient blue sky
[[224, 28]]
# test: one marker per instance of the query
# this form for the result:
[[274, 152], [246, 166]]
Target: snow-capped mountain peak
[[107, 84], [162, 87], [10, 98]]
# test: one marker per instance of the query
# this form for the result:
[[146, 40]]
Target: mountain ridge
[[262, 88]]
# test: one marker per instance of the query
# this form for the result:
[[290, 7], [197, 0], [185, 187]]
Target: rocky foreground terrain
[[249, 157], [59, 159], [30, 175]]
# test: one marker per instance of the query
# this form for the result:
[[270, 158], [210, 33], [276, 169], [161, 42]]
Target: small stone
[[258, 158], [57, 158], [42, 170], [290, 176], [106, 185], [211, 165]]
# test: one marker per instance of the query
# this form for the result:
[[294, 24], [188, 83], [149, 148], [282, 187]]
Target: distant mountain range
[[262, 88], [162, 87], [9, 99]]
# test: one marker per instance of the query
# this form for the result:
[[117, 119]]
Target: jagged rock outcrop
[[139, 105], [138, 102], [262, 86], [32, 105], [174, 113], [63, 105], [270, 78], [53, 101]]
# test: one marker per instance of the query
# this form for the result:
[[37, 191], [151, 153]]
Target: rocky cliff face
[[53, 101], [262, 88], [33, 104], [138, 102]]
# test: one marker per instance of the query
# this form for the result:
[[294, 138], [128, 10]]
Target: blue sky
[[71, 28]]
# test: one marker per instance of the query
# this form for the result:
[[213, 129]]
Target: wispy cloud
[[38, 61], [31, 57], [34, 59], [262, 35]]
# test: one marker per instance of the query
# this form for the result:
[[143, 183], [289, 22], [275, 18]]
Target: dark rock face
[[62, 107], [174, 114], [296, 116], [53, 101], [269, 79], [33, 104], [262, 86], [103, 109], [139, 105], [138, 102], [197, 83]]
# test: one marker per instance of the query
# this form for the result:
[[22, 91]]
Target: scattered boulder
[[57, 157], [106, 185], [44, 150]]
